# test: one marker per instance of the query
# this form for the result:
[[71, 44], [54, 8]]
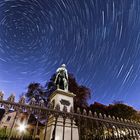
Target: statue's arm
[[57, 70], [67, 74], [56, 78]]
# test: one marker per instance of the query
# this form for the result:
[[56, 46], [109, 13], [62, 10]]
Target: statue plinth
[[63, 98]]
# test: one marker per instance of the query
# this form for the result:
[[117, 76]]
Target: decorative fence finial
[[64, 109], [41, 103], [57, 107], [71, 110], [105, 116], [84, 112], [78, 111], [109, 117], [100, 115], [113, 118], [1, 96], [95, 115], [11, 98], [32, 102], [22, 100], [90, 114]]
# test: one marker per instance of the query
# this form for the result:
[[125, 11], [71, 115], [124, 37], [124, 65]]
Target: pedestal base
[[57, 129]]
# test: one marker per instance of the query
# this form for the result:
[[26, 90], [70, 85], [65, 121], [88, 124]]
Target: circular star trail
[[98, 40]]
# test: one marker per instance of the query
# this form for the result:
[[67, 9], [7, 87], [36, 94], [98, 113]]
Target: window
[[8, 118]]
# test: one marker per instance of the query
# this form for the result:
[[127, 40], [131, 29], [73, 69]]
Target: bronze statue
[[61, 79]]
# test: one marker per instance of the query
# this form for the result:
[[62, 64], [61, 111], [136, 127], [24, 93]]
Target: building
[[21, 124]]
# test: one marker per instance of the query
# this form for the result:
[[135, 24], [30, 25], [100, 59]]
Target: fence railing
[[91, 126]]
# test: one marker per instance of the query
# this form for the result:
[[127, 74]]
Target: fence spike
[[41, 103], [113, 118], [135, 122], [122, 120], [71, 110], [32, 102], [104, 116], [90, 113], [128, 121], [95, 115], [109, 117], [131, 121], [85, 112], [11, 98], [100, 115], [1, 96], [125, 120], [57, 107], [118, 119], [65, 108], [78, 111], [22, 100]]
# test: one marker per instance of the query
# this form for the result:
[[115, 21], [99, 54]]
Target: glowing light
[[22, 127]]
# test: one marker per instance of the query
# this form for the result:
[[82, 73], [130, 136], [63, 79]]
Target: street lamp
[[22, 127]]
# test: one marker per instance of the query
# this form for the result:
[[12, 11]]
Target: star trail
[[98, 40]]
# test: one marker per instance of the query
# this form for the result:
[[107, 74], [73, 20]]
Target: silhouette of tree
[[82, 92], [51, 87], [121, 110], [37, 91], [118, 109], [98, 108]]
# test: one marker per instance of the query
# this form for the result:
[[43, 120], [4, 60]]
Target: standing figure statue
[[61, 79]]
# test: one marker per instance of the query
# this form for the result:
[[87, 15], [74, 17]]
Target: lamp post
[[22, 129]]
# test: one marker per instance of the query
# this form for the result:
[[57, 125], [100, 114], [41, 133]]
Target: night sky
[[98, 40]]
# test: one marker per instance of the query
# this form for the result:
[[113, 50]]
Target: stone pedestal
[[69, 130]]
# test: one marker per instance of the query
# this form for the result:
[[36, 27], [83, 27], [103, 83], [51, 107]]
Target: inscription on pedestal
[[64, 102]]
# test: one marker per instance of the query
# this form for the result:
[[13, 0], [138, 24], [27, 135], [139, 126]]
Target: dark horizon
[[98, 40]]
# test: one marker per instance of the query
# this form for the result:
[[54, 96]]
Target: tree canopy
[[37, 91], [118, 109], [121, 110], [82, 93]]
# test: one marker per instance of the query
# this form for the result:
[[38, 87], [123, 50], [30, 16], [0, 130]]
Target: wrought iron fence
[[91, 126]]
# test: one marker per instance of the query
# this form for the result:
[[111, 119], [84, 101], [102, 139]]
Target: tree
[[121, 110], [37, 91], [136, 117], [82, 92], [118, 109], [51, 87], [98, 108]]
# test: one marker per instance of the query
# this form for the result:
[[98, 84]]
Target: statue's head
[[63, 65]]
